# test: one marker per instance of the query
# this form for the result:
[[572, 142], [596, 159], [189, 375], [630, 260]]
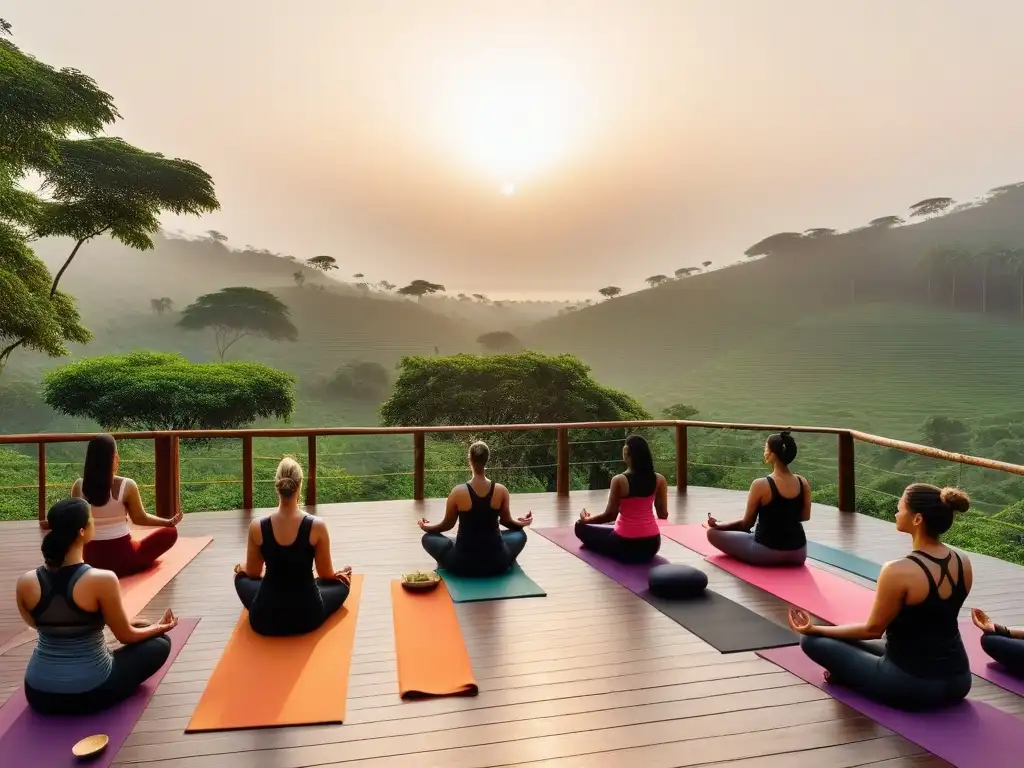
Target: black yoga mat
[[726, 626]]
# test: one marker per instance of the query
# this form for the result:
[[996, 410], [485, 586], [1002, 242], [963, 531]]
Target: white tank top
[[112, 518]]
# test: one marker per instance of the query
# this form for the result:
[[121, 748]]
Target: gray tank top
[[70, 655]]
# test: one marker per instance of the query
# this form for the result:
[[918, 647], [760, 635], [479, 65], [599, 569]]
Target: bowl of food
[[90, 746], [420, 581]]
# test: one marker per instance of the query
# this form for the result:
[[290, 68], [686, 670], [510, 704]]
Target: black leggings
[[605, 541], [442, 549], [864, 668], [133, 665], [279, 618], [1008, 651]]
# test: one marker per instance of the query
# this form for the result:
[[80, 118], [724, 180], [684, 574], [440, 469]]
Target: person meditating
[[67, 602], [923, 663], [778, 504], [114, 500], [634, 498], [480, 547], [289, 600], [1004, 644]]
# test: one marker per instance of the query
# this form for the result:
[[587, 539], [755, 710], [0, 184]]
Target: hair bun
[[955, 499], [286, 484]]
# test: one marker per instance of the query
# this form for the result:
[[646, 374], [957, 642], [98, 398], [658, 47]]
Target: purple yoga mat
[[632, 577], [971, 734], [29, 739]]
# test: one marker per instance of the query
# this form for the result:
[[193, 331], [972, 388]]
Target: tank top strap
[[45, 578], [933, 586], [490, 492], [773, 486], [305, 529], [267, 531]]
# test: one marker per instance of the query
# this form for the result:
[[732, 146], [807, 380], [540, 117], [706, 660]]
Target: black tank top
[[479, 538], [779, 522], [288, 595], [924, 639]]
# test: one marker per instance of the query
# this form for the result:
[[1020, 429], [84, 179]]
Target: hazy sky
[[641, 135]]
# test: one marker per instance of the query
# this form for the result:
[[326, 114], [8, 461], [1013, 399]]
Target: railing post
[[311, 471], [167, 470], [847, 480], [682, 457], [562, 468], [247, 472], [418, 462], [42, 485]]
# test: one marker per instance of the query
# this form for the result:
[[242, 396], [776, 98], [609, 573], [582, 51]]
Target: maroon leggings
[[125, 555]]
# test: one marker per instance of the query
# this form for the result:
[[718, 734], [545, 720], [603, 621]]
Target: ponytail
[[66, 519], [783, 446]]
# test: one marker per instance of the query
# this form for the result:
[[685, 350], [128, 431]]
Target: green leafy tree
[[510, 389], [1013, 263], [323, 263], [610, 292], [235, 313], [655, 280], [420, 288], [500, 342], [946, 433], [156, 391], [680, 412], [29, 314], [931, 206], [363, 381], [685, 272], [885, 222]]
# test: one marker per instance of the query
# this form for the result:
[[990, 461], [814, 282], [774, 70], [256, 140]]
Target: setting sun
[[508, 189]]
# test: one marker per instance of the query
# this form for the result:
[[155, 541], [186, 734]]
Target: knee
[[171, 535], [815, 647], [580, 529], [159, 652]]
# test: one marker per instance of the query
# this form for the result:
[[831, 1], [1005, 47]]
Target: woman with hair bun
[[115, 500], [68, 603], [778, 504], [289, 600], [923, 663]]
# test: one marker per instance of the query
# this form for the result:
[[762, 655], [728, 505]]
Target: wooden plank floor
[[589, 676]]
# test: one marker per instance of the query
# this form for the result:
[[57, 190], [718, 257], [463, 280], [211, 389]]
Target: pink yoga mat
[[28, 739], [693, 537], [969, 735]]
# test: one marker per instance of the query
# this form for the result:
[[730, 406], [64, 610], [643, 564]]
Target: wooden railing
[[168, 467]]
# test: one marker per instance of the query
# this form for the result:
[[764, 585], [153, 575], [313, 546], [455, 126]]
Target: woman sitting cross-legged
[[633, 499], [114, 501], [1004, 644], [71, 672], [480, 548], [289, 600], [923, 663], [778, 504]]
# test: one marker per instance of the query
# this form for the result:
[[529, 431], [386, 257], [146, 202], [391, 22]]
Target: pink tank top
[[636, 518]]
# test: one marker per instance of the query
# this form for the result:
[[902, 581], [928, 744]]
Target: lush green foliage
[[151, 391], [234, 313], [366, 382], [679, 411], [500, 342]]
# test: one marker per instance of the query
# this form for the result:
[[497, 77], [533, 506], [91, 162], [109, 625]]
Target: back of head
[[288, 477], [641, 461], [479, 455], [66, 519], [937, 506], [98, 473], [783, 446]]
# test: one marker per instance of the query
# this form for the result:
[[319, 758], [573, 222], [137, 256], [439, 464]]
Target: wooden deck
[[590, 676]]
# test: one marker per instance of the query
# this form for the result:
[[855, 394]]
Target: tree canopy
[[358, 380], [514, 389], [656, 280], [323, 263], [610, 292], [234, 313], [680, 412], [155, 391], [420, 288], [500, 342]]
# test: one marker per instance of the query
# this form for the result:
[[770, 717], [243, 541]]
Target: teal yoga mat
[[843, 560], [474, 589]]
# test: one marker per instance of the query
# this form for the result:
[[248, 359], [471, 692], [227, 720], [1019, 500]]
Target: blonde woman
[[288, 600]]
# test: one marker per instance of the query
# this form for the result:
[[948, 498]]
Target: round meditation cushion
[[675, 581]]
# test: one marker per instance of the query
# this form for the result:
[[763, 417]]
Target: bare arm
[[661, 499], [505, 512], [108, 595], [889, 598], [137, 511], [322, 551], [76, 489], [28, 586], [451, 516], [754, 499], [253, 556], [807, 499]]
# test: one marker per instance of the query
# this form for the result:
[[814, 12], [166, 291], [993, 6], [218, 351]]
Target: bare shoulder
[[759, 484], [500, 491], [27, 579], [256, 530], [660, 480], [804, 481]]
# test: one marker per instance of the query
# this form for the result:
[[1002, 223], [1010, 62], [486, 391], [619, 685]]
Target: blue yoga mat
[[843, 560], [473, 589]]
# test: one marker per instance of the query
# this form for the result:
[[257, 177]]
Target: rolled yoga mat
[[267, 682], [138, 589], [839, 601], [971, 734], [726, 626], [30, 739], [472, 589], [429, 647]]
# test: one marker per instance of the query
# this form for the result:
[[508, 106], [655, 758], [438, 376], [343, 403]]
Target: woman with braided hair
[[778, 505]]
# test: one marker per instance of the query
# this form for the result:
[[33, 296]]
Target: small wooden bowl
[[90, 746], [421, 586]]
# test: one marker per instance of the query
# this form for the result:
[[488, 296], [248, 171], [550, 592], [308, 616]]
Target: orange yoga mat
[[268, 682], [432, 656]]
